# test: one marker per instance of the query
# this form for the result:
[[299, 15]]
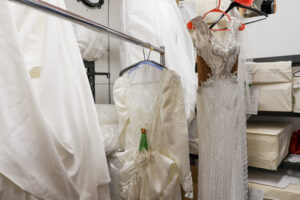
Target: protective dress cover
[[90, 43], [160, 23]]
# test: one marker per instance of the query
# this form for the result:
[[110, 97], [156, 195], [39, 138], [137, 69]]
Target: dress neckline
[[227, 33]]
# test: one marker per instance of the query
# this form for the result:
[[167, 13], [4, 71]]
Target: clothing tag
[[143, 141], [252, 106], [249, 73], [296, 84]]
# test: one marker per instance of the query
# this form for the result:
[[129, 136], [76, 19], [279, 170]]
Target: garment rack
[[69, 16]]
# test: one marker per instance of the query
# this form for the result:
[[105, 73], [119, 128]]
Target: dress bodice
[[219, 56]]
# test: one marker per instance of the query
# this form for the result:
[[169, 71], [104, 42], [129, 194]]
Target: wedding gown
[[157, 106], [221, 118]]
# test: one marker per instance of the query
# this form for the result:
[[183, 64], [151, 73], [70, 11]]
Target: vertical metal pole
[[109, 81], [163, 57]]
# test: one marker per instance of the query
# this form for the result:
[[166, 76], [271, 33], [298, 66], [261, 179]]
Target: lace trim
[[125, 188], [188, 186], [208, 46], [211, 80]]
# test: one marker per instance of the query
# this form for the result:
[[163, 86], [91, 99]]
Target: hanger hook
[[144, 53], [151, 49]]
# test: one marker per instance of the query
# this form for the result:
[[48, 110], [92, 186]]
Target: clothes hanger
[[191, 27], [241, 4], [145, 61], [221, 11], [217, 9]]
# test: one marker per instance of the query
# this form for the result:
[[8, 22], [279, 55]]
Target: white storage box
[[275, 97], [274, 80], [296, 89], [271, 72], [268, 143]]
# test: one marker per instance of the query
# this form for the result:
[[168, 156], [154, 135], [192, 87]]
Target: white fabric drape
[[90, 43], [28, 151], [53, 148]]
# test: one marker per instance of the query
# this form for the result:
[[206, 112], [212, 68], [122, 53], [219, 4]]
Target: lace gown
[[157, 106], [221, 118]]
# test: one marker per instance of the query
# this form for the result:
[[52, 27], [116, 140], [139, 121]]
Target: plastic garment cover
[[109, 124], [157, 172], [29, 159], [114, 169], [64, 96], [90, 43], [193, 136], [160, 23]]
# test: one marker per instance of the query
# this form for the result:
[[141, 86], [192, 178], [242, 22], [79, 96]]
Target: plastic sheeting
[[160, 23], [109, 124], [90, 43], [29, 158]]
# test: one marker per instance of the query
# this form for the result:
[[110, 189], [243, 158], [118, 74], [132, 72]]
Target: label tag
[[296, 84], [252, 106]]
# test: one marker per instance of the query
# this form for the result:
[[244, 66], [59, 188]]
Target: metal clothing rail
[[64, 14]]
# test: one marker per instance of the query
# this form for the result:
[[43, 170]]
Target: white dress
[[66, 104], [221, 118], [157, 106], [30, 167]]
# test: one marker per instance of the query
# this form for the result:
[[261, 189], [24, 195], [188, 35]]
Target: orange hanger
[[221, 11], [217, 9], [190, 24]]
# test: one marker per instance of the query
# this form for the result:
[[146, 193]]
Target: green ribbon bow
[[143, 141]]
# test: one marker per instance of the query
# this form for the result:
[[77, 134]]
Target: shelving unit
[[279, 114]]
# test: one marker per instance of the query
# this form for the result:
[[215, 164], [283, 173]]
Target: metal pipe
[[163, 57], [64, 14]]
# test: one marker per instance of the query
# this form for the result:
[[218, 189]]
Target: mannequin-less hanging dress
[[221, 118], [30, 168], [65, 102], [158, 107]]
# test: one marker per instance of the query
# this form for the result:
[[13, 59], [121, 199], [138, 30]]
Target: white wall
[[279, 34]]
